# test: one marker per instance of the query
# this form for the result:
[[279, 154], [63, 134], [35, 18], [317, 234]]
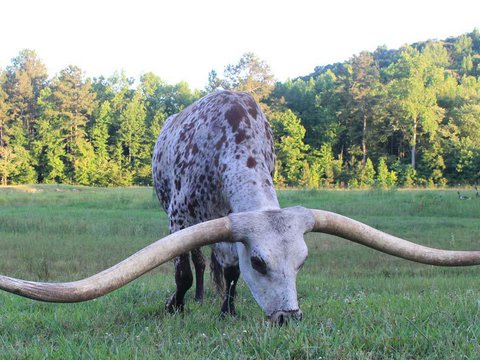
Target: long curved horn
[[334, 224], [129, 269]]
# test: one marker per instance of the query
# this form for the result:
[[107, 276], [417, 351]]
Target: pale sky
[[184, 40]]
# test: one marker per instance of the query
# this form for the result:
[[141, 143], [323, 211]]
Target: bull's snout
[[281, 317]]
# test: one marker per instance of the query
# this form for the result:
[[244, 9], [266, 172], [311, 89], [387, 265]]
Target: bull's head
[[271, 251]]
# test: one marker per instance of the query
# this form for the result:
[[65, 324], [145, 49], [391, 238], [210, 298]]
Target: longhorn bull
[[212, 171]]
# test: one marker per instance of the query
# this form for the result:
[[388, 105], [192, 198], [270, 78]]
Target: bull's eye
[[259, 264]]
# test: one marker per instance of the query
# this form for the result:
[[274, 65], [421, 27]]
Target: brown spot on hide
[[178, 159], [225, 97], [192, 207], [194, 149], [268, 131], [251, 162], [158, 156], [178, 184], [240, 136], [247, 122], [184, 165], [235, 116], [252, 107]]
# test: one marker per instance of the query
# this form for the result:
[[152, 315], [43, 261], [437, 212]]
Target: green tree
[[250, 74], [365, 174], [99, 131], [214, 82], [7, 164], [70, 104], [392, 179], [290, 148], [7, 157], [49, 146], [132, 134], [464, 142], [99, 138], [414, 95], [24, 80], [383, 174], [162, 99], [385, 178], [462, 54], [326, 165], [363, 87], [4, 111], [316, 102], [118, 91]]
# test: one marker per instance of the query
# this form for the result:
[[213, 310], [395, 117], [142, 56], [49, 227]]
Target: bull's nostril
[[283, 317]]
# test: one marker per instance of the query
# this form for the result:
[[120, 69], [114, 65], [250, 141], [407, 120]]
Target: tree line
[[403, 117]]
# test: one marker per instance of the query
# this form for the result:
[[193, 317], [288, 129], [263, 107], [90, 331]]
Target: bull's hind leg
[[199, 264], [183, 280], [231, 275], [183, 272]]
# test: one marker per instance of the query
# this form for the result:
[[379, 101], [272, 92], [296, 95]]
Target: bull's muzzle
[[282, 317]]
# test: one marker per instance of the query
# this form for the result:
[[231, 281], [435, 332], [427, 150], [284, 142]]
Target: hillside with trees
[[406, 117]]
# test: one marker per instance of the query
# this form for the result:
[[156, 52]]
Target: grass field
[[358, 303]]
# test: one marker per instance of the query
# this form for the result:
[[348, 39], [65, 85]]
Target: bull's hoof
[[174, 306], [227, 310]]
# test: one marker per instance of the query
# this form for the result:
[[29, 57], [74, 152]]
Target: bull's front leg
[[231, 275]]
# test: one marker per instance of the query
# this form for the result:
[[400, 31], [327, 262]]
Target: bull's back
[[223, 133]]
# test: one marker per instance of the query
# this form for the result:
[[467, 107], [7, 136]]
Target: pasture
[[357, 302]]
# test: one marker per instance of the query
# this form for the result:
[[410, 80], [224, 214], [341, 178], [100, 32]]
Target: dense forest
[[404, 117]]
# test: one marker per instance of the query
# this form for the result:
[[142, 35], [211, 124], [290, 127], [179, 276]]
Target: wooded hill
[[409, 116]]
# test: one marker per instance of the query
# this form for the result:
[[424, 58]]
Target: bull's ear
[[304, 217], [244, 224]]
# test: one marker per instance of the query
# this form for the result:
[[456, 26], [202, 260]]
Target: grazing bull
[[212, 170], [213, 159]]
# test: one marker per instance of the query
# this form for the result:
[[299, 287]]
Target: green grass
[[358, 303]]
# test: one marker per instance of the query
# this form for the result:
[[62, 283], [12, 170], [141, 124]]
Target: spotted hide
[[214, 158]]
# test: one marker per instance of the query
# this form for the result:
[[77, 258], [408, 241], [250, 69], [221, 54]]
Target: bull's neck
[[250, 191]]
